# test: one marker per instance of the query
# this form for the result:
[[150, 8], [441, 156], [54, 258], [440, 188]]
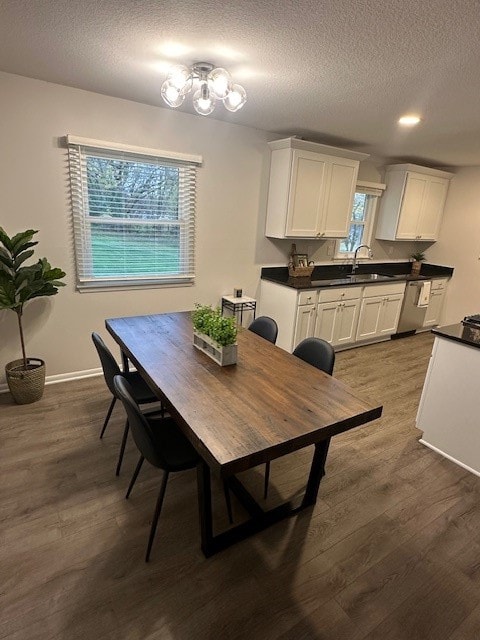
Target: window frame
[[78, 150], [373, 191]]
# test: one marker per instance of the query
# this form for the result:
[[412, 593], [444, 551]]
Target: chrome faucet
[[362, 246]]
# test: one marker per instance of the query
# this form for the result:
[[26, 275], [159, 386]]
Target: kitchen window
[[133, 215], [362, 218]]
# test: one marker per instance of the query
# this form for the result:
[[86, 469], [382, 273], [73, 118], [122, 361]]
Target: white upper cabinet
[[412, 206], [311, 189]]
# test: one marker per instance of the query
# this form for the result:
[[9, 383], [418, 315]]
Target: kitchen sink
[[368, 277]]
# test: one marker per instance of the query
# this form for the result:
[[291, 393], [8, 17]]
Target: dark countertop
[[463, 333], [336, 275]]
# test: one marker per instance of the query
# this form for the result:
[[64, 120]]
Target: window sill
[[99, 287]]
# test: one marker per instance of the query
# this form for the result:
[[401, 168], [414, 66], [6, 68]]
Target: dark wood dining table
[[270, 403]]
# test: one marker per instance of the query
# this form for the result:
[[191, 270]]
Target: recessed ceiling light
[[409, 121]]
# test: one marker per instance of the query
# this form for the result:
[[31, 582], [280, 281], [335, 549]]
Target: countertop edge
[[462, 333], [338, 275]]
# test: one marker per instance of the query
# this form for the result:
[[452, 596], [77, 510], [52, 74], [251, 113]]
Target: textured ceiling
[[340, 71]]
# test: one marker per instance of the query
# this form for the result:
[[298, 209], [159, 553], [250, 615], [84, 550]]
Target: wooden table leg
[[124, 363], [259, 519], [317, 471], [205, 507]]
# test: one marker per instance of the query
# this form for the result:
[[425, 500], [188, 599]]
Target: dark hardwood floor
[[390, 552]]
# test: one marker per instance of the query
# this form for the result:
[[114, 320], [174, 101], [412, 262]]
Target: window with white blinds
[[362, 218], [133, 214]]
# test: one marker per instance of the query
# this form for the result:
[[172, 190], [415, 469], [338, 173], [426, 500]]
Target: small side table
[[239, 305]]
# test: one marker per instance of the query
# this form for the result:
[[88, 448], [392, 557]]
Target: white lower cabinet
[[435, 305], [337, 315], [292, 310], [340, 315], [305, 323], [380, 311]]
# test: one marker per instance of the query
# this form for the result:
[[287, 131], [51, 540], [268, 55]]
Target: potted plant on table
[[20, 283], [214, 334], [417, 259]]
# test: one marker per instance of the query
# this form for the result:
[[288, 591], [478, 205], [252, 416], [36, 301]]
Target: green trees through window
[[133, 211], [356, 234], [133, 214]]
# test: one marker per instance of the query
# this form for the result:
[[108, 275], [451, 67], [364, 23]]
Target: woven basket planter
[[300, 272], [26, 386], [221, 355]]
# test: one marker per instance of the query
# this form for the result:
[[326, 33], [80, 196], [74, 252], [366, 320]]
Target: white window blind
[[370, 188], [133, 215]]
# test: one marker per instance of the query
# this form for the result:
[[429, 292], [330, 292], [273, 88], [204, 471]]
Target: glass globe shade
[[220, 82], [203, 101], [180, 77], [172, 96], [236, 98]]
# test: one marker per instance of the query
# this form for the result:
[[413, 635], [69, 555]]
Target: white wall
[[459, 245], [231, 206], [232, 191]]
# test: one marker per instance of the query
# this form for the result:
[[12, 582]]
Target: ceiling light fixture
[[409, 121], [210, 84]]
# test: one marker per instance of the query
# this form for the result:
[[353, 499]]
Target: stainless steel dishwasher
[[414, 308]]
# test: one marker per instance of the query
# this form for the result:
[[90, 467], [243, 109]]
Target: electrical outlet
[[330, 249], [390, 251]]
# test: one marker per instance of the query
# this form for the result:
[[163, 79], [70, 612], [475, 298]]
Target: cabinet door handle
[[320, 234]]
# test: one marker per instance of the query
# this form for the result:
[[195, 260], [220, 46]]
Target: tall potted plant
[[20, 283]]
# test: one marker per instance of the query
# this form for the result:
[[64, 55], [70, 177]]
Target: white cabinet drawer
[[374, 290], [307, 297], [338, 295], [439, 284]]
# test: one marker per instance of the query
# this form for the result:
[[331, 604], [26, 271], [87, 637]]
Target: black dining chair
[[140, 390], [317, 352], [320, 354], [160, 442], [265, 327]]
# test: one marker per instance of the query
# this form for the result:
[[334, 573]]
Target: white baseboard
[[445, 455], [64, 377]]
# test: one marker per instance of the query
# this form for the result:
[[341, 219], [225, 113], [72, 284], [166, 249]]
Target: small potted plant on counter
[[417, 259], [214, 334], [20, 283]]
